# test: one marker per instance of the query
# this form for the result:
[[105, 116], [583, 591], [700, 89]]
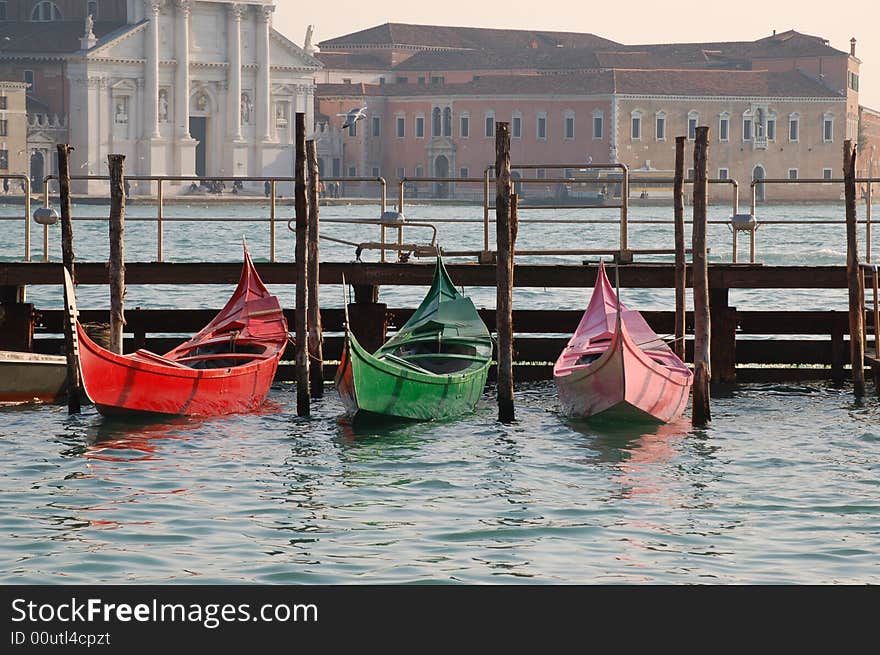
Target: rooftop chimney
[[852, 46]]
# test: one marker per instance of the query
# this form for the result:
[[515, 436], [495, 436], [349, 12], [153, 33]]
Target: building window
[[375, 172], [771, 127], [724, 127], [2, 10], [516, 127], [792, 173], [793, 127], [827, 128], [463, 172], [352, 129], [569, 125], [691, 174], [352, 171], [826, 173], [420, 127], [336, 167], [401, 127], [636, 125], [540, 174], [747, 128], [541, 127], [421, 79], [346, 80], [420, 172], [437, 79], [465, 127], [402, 79], [693, 119], [4, 160], [381, 81], [660, 126], [723, 174], [401, 172], [447, 121], [4, 127], [29, 79], [490, 125], [46, 11], [435, 122], [92, 9], [598, 124], [377, 125], [4, 100], [853, 80]]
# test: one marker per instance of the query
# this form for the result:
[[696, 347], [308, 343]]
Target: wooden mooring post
[[116, 164], [316, 335], [856, 296], [680, 271], [74, 384], [505, 237], [702, 322], [302, 270]]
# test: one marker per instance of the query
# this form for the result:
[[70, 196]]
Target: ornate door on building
[[198, 130], [441, 169], [758, 174]]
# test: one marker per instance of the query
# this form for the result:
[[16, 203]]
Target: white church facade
[[188, 88]]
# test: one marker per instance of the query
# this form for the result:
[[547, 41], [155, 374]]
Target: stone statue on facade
[[307, 44], [90, 27], [247, 108], [163, 106]]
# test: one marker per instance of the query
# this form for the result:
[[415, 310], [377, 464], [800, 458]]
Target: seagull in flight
[[353, 116]]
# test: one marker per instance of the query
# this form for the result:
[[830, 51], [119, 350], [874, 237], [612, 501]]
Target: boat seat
[[149, 357], [402, 362], [445, 356], [201, 358]]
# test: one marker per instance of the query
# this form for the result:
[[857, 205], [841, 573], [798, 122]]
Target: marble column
[[235, 14], [181, 79], [151, 70], [264, 90]]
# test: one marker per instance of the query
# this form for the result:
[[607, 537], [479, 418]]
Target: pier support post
[[316, 332], [680, 275], [505, 209], [856, 297], [302, 271], [74, 384], [723, 347], [702, 321], [116, 164]]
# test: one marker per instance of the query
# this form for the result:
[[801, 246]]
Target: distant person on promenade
[[267, 188]]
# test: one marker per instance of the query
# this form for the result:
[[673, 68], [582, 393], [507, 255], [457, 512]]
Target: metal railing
[[26, 189], [160, 217]]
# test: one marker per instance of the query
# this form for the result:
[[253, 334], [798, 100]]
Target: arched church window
[[46, 11], [435, 122], [447, 122]]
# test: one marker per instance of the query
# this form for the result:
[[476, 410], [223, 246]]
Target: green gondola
[[435, 367]]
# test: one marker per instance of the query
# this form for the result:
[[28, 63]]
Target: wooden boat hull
[[624, 384], [26, 377], [118, 385], [371, 386]]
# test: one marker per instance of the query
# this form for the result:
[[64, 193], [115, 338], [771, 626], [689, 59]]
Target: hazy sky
[[638, 21]]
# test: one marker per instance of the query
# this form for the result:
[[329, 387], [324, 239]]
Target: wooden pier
[[746, 346]]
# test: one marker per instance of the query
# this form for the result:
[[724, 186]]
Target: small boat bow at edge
[[226, 368], [616, 366]]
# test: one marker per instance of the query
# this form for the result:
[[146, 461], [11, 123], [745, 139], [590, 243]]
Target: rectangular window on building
[[402, 79], [352, 171], [723, 174], [420, 172], [4, 160], [541, 131], [421, 79], [381, 81], [401, 127], [346, 80], [465, 125], [792, 173], [437, 79], [692, 128], [401, 172], [375, 171], [569, 127], [827, 173], [771, 129], [516, 127], [661, 128], [4, 102], [747, 129], [420, 127], [337, 167], [377, 125], [597, 127], [352, 129], [827, 130], [490, 126], [853, 81], [463, 172], [724, 129], [2, 11], [636, 127], [792, 129], [540, 174], [4, 127], [691, 174]]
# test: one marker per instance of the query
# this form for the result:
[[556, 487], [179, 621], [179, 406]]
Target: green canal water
[[782, 487]]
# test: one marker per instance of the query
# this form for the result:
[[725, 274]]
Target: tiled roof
[[507, 59], [52, 37], [351, 61], [443, 36], [788, 84]]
